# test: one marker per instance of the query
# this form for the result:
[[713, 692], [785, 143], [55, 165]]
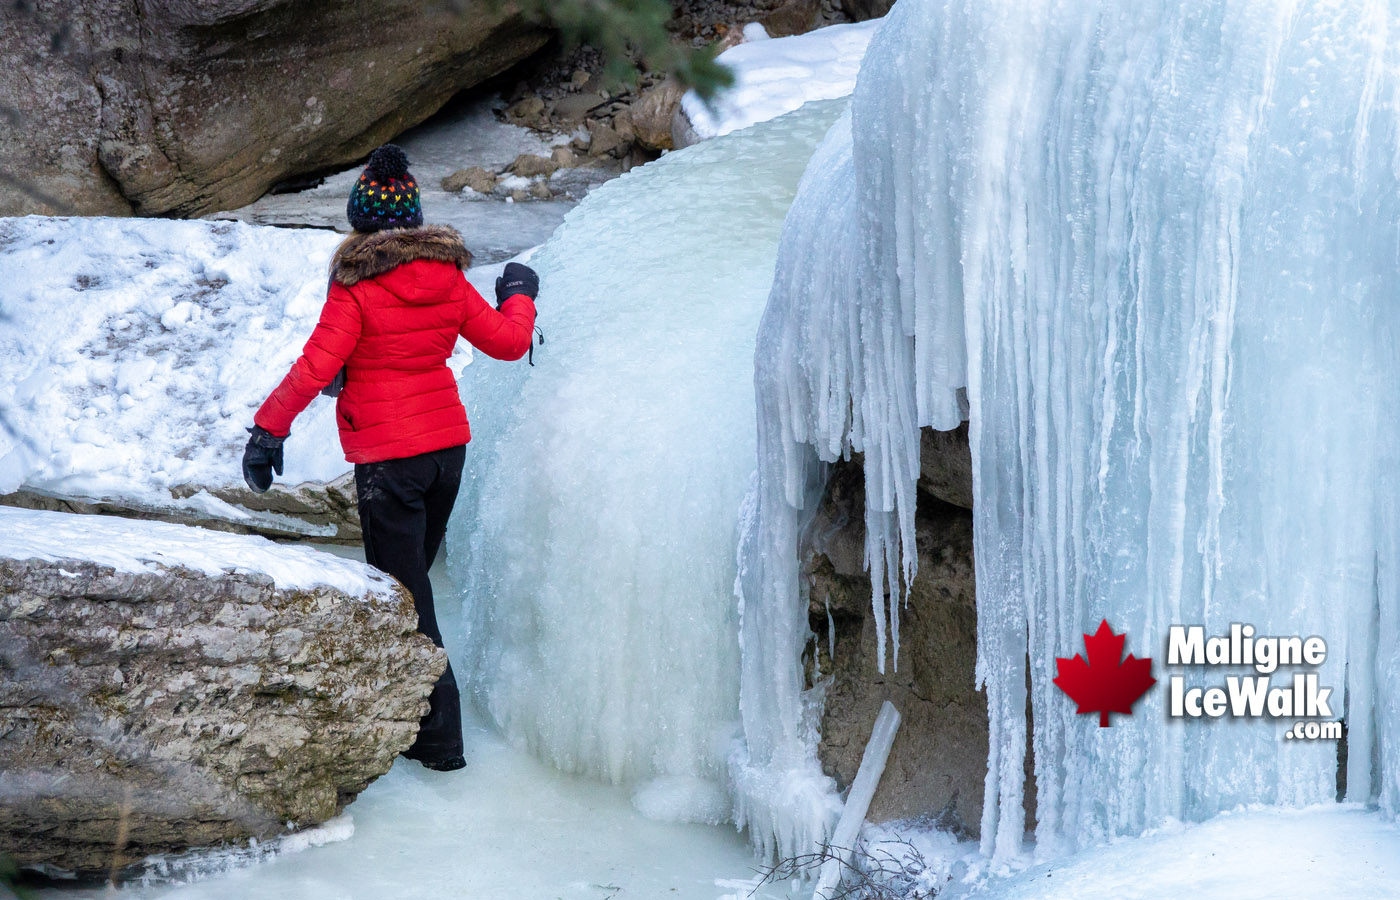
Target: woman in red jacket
[[396, 304]]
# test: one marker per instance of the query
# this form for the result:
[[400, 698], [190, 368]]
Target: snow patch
[[134, 352], [773, 76], [131, 545], [1320, 851]]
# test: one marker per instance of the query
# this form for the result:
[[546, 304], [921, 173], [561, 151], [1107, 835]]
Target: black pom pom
[[388, 162]]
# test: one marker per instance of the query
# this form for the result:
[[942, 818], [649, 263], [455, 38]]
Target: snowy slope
[[1326, 851], [773, 76], [131, 545], [1317, 852], [133, 353]]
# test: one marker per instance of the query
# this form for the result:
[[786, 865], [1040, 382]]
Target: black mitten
[[261, 458], [517, 279]]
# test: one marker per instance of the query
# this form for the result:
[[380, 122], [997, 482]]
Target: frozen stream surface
[[506, 827]]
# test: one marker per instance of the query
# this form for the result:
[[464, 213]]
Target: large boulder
[[165, 107], [939, 760], [166, 687]]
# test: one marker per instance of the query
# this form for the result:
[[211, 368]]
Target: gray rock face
[[327, 510], [151, 712], [939, 759], [169, 107]]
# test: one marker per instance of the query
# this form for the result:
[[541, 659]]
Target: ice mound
[[595, 535]]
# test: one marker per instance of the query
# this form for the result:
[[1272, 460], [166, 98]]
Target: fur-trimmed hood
[[362, 256]]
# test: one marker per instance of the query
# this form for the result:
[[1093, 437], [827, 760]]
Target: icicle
[[872, 766]]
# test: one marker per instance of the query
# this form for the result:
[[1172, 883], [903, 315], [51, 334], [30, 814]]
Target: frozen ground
[[463, 134], [131, 545], [773, 76], [133, 353], [1328, 851], [505, 828]]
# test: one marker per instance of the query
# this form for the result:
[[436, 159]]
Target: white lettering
[[1186, 646], [1247, 695]]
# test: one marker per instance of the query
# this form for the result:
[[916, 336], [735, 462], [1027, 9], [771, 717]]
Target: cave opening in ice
[[1149, 251]]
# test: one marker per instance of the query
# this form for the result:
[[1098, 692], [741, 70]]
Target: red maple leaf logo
[[1103, 684]]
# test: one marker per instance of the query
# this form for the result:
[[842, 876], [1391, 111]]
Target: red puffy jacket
[[396, 305]]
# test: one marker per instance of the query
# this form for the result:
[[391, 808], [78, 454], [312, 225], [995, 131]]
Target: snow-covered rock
[[773, 76], [133, 353], [167, 687], [459, 135]]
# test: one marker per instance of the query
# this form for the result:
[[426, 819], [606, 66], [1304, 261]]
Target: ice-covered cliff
[[1149, 251]]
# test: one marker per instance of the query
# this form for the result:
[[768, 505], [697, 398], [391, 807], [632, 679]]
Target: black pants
[[404, 507]]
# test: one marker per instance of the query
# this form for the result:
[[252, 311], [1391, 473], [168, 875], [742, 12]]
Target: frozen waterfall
[[1150, 251], [596, 537]]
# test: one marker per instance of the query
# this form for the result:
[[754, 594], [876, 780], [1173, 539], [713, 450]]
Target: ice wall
[[1152, 247], [595, 537]]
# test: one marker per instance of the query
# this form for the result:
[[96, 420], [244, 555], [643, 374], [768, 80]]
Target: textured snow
[[134, 352], [595, 534], [1327, 850], [131, 545], [1149, 251], [773, 76], [1321, 851]]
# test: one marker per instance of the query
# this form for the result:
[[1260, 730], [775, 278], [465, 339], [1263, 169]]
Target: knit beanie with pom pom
[[386, 196]]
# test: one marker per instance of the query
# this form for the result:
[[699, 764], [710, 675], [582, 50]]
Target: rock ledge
[[151, 711]]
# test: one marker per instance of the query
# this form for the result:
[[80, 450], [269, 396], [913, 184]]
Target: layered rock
[[939, 760], [178, 697], [321, 512], [161, 107]]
